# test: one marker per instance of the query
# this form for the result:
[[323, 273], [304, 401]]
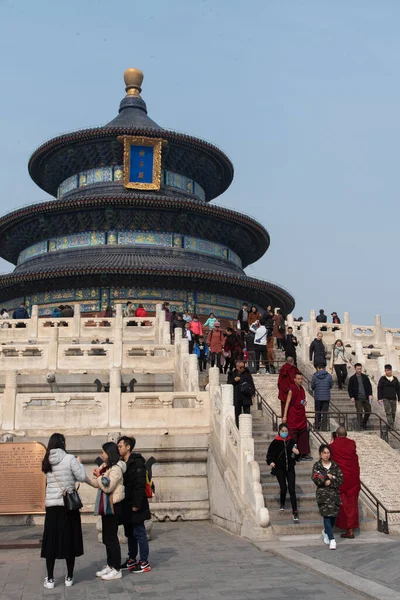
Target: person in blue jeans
[[135, 507], [328, 478]]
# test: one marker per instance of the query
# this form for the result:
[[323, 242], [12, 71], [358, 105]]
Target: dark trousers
[[238, 411], [363, 405], [261, 352], [329, 524], [390, 406], [321, 416], [216, 358], [229, 363], [137, 539], [50, 562], [110, 540], [251, 362], [191, 346], [341, 374], [202, 363], [290, 477], [300, 437]]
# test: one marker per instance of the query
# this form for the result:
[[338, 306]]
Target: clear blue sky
[[304, 96]]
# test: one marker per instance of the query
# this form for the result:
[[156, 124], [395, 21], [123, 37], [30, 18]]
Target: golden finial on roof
[[133, 80]]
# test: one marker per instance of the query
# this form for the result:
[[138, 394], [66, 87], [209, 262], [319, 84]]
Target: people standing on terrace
[[243, 318], [233, 350], [216, 341], [210, 321], [360, 392], [165, 308], [188, 334], [295, 416], [317, 351], [290, 344], [4, 316], [321, 384], [389, 394], [128, 311], [282, 456], [344, 453], [260, 343], [186, 317], [140, 311], [201, 351], [254, 315], [339, 361], [195, 326], [243, 389], [279, 328], [322, 318], [21, 313]]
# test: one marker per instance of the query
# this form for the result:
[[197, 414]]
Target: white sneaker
[[106, 569], [48, 583], [325, 537], [69, 581], [332, 545], [112, 574]]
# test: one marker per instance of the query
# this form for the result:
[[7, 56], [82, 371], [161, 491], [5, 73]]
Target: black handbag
[[72, 500], [246, 389]]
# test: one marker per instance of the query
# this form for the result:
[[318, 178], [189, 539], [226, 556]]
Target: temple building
[[132, 218]]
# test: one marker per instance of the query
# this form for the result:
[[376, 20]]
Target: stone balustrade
[[233, 452], [371, 345]]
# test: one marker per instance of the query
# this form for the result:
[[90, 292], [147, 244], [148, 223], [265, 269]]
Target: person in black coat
[[282, 456], [360, 392], [135, 506], [318, 351], [290, 344], [243, 389]]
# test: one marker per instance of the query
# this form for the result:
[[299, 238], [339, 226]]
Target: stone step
[[272, 499], [315, 526], [303, 486]]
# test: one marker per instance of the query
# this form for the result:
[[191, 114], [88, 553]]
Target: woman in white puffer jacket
[[62, 536]]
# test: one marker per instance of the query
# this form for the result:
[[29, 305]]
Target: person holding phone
[[328, 478], [282, 456], [109, 480]]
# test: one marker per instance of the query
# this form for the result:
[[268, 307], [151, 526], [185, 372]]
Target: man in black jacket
[[135, 507], [318, 351], [243, 317], [289, 344], [389, 394], [360, 392], [243, 389]]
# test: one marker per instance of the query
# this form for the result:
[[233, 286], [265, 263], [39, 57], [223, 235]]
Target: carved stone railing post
[[166, 332], [53, 348], [114, 399], [178, 360], [159, 324], [9, 401], [246, 447], [76, 322], [226, 411], [347, 329], [313, 324], [391, 352], [193, 373], [305, 342], [359, 352], [379, 337], [118, 338], [34, 322], [290, 321]]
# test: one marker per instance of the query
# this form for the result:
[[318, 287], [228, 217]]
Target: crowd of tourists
[[122, 479]]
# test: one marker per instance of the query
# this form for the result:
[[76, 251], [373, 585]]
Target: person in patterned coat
[[328, 478]]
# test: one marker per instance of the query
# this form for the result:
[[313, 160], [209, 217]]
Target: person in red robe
[[285, 380], [295, 417], [344, 453]]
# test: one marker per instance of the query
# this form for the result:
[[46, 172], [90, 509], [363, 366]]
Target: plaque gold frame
[[156, 143]]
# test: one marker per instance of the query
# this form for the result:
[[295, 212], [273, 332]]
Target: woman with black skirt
[[62, 536], [281, 456]]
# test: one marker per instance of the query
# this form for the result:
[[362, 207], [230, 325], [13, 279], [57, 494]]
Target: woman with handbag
[[109, 479], [282, 456], [62, 536], [243, 389]]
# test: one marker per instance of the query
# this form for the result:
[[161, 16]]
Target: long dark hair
[[111, 449], [57, 440]]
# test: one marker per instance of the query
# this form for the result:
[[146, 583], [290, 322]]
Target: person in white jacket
[[260, 343], [62, 536], [109, 479]]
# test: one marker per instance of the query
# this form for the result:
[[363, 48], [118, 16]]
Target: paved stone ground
[[191, 561]]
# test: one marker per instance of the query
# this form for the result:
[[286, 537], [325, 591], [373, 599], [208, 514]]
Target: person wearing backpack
[[135, 507], [243, 389]]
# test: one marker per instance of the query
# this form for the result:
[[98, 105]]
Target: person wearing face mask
[[282, 456]]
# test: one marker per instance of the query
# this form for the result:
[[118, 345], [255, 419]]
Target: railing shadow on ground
[[380, 511]]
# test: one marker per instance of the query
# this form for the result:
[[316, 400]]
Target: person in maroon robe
[[344, 453], [295, 417], [287, 373]]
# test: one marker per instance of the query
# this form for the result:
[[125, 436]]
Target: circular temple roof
[[68, 154]]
